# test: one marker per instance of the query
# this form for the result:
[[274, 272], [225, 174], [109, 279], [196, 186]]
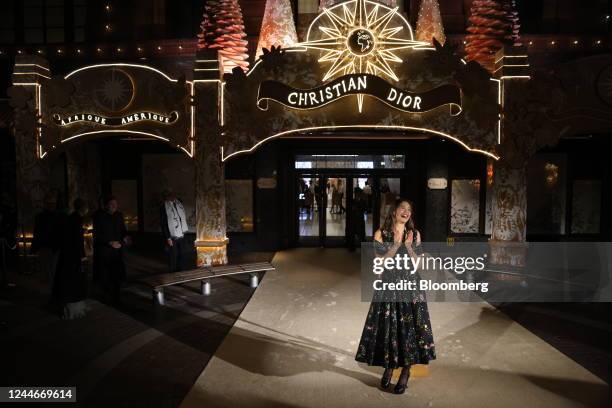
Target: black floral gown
[[397, 333]]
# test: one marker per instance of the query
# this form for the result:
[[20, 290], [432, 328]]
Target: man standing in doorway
[[357, 224], [174, 227], [110, 236]]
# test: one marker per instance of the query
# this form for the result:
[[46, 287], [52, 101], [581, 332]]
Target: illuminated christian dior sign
[[364, 84], [116, 121]]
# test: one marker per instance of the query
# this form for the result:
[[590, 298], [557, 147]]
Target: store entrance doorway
[[342, 209]]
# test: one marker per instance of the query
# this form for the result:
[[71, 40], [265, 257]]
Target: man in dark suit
[[110, 236]]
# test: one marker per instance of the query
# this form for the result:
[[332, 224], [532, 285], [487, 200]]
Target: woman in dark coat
[[70, 284], [397, 332]]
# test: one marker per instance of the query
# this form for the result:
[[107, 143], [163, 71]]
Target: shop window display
[[586, 206], [465, 206]]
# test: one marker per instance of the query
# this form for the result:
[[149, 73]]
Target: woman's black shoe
[[399, 388], [402, 383], [385, 381]]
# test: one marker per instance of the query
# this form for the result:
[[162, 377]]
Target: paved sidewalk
[[137, 355], [294, 346]]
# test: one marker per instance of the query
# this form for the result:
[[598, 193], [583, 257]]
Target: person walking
[[174, 227]]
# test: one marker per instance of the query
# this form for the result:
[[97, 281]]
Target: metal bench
[[159, 282]]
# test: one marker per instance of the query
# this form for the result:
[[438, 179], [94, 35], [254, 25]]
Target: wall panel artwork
[[546, 194], [239, 205], [175, 172], [586, 206], [465, 206]]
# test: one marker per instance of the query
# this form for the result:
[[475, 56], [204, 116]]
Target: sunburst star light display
[[360, 36]]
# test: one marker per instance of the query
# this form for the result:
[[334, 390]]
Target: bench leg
[[205, 287], [254, 280], [158, 295]]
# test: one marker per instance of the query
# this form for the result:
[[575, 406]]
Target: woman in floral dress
[[397, 331]]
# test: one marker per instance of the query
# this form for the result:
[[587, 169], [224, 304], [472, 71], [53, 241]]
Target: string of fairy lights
[[107, 50], [187, 46], [170, 48]]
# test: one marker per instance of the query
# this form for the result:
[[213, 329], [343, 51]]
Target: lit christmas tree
[[223, 30], [277, 27], [489, 31], [429, 23]]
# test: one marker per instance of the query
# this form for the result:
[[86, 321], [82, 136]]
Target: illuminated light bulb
[[159, 48], [39, 51], [552, 43], [59, 51], [78, 50], [575, 42], [464, 42], [107, 27], [118, 49], [598, 41], [99, 50], [108, 7], [19, 51], [530, 42], [180, 47], [139, 49]]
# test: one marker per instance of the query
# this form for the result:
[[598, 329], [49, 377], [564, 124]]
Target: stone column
[[211, 241], [509, 204], [32, 173]]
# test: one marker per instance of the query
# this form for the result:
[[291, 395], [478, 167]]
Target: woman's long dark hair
[[388, 224]]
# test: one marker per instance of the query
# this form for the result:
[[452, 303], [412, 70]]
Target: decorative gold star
[[361, 36]]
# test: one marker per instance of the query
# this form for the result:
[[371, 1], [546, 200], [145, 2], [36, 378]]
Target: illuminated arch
[[349, 127], [189, 152], [117, 131], [122, 64]]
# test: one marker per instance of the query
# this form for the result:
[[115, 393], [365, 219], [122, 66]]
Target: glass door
[[363, 193], [335, 211], [309, 208]]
